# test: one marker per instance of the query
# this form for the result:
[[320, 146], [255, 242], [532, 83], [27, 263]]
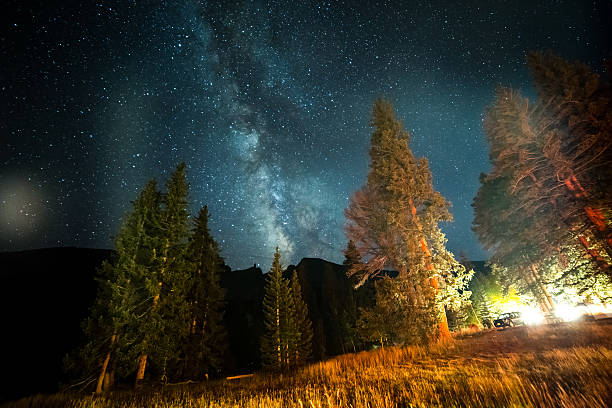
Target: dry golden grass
[[561, 366]]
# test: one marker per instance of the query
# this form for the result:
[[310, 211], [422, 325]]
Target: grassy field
[[568, 365]]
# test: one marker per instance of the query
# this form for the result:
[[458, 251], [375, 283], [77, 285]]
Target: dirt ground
[[489, 344]]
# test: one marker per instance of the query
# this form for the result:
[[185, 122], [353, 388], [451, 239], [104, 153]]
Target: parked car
[[509, 319]]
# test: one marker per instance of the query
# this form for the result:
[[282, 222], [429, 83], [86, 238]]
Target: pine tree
[[351, 255], [164, 326], [112, 327], [543, 211], [393, 221], [348, 318], [302, 347], [206, 342], [278, 318], [579, 102], [387, 321]]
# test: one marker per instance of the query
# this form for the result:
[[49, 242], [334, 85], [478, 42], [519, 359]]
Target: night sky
[[268, 103]]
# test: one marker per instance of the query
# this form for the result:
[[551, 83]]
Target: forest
[[166, 311]]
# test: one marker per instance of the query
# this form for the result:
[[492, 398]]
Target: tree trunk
[[443, 330], [598, 222], [538, 281], [142, 365], [537, 289], [105, 366], [592, 253], [142, 362]]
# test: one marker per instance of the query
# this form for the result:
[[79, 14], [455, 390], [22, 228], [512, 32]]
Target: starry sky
[[268, 103]]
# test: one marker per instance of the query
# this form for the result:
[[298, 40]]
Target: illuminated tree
[[579, 102], [393, 221], [544, 210], [516, 240]]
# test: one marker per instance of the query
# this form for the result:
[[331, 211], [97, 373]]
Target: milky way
[[268, 103]]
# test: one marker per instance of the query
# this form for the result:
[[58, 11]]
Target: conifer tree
[[278, 319], [351, 255], [393, 221], [206, 342], [544, 210], [579, 104], [112, 327], [302, 349], [165, 323]]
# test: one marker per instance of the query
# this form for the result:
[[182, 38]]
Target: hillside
[[565, 365]]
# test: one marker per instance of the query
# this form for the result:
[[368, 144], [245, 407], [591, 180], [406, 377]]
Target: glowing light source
[[567, 313], [531, 316]]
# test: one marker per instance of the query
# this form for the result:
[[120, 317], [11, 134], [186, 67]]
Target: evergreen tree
[[112, 328], [278, 319], [484, 289], [165, 324], [206, 342], [160, 300], [544, 210], [302, 349], [289, 327], [579, 103], [351, 255], [393, 221]]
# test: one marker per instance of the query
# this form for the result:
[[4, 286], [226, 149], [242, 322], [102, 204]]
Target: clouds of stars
[[267, 102]]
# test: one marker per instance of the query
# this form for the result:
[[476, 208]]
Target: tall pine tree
[[206, 342], [301, 351], [544, 210], [165, 322], [272, 342], [112, 328], [393, 221]]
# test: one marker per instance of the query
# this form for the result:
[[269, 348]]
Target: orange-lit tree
[[580, 103], [393, 221], [544, 210]]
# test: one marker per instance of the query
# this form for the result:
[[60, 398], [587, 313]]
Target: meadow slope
[[565, 365]]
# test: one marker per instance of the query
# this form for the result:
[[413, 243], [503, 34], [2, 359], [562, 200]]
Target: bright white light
[[532, 316], [567, 313]]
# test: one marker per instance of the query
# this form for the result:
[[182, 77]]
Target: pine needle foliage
[[164, 323], [113, 327], [393, 221], [205, 346], [302, 351], [544, 210], [275, 342]]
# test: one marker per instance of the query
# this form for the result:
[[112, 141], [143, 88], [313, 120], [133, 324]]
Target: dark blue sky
[[268, 103]]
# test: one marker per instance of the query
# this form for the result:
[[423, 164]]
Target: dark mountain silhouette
[[244, 291]]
